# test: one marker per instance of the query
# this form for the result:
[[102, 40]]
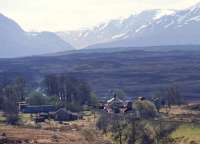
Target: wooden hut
[[64, 115]]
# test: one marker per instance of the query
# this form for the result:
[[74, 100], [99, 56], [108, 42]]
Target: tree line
[[68, 92], [67, 89], [60, 90]]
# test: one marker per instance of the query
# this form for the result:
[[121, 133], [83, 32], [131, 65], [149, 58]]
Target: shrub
[[145, 109], [12, 119], [36, 98], [74, 107], [103, 122], [89, 134]]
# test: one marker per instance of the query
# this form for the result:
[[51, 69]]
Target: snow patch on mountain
[[197, 19], [169, 24], [150, 27], [119, 36], [162, 13], [139, 29]]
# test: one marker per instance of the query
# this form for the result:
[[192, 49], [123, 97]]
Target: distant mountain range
[[148, 28], [15, 42]]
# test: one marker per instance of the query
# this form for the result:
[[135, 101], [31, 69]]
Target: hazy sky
[[56, 15]]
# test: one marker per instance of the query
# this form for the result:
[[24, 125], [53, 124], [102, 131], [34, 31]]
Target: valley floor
[[84, 131], [187, 134], [77, 132]]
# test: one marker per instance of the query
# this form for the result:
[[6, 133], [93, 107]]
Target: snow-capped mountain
[[113, 30], [15, 42], [148, 28]]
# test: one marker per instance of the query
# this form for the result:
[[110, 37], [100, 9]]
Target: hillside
[[136, 72], [15, 42]]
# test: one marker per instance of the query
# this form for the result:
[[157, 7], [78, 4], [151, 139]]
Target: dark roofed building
[[64, 115], [38, 109]]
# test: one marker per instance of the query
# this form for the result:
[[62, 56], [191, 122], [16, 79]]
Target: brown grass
[[77, 132]]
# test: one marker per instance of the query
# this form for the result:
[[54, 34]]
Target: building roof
[[114, 99], [65, 115], [38, 109]]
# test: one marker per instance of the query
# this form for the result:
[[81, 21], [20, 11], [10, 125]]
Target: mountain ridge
[[15, 42], [148, 28], [111, 30]]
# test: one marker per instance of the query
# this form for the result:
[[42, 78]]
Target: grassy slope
[[2, 118], [75, 132], [187, 134]]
